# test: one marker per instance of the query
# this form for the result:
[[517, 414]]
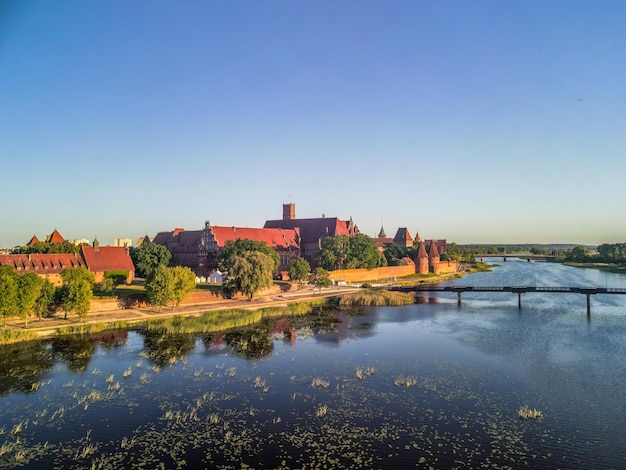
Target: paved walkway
[[138, 315]]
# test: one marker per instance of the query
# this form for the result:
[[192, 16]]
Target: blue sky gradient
[[475, 121]]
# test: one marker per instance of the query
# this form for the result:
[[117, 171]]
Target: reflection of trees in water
[[167, 348], [23, 365], [75, 351], [253, 342], [111, 339]]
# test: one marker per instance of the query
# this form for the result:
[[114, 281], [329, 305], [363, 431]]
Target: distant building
[[141, 240], [80, 241], [312, 231], [123, 242], [96, 259]]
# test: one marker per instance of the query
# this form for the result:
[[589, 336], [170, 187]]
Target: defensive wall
[[445, 267], [359, 275]]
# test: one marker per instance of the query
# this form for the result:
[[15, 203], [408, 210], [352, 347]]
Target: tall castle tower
[[289, 211]]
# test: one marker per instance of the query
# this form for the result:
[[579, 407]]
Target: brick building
[[312, 230], [199, 249]]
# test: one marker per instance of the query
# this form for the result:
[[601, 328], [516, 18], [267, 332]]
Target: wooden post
[[519, 300], [458, 298], [588, 305]]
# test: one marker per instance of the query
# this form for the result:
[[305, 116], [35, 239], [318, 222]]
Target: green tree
[[242, 246], [394, 254], [343, 252], [184, 283], [148, 256], [320, 278], [334, 252], [8, 292], [578, 253], [78, 283], [29, 290], [45, 299], [299, 269], [364, 253], [249, 273], [160, 286]]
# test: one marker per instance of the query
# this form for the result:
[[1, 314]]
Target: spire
[[421, 251], [96, 244], [382, 233], [433, 251]]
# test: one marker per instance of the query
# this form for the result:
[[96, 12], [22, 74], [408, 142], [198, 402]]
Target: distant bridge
[[519, 290], [526, 256]]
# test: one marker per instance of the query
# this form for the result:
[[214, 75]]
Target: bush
[[118, 276]]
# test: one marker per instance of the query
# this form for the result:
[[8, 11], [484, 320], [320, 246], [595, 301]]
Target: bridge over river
[[519, 290]]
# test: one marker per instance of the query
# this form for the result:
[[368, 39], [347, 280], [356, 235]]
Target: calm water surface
[[428, 385]]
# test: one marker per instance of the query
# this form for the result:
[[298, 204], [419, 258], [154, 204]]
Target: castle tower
[[433, 258], [421, 260], [289, 211]]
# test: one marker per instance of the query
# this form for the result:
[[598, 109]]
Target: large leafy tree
[[299, 269], [45, 299], [29, 290], [364, 253], [148, 256], [9, 285], [160, 286], [343, 252], [184, 283], [320, 278], [234, 248], [249, 272], [78, 290]]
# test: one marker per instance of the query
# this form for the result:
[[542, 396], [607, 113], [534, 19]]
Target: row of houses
[[97, 259]]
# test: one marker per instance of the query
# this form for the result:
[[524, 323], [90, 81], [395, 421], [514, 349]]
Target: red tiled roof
[[433, 251], [55, 237], [107, 258], [314, 229], [33, 241], [273, 237], [42, 263], [421, 251]]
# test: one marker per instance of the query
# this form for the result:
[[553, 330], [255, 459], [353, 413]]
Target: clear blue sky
[[475, 121]]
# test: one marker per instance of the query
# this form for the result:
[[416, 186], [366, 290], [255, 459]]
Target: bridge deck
[[514, 289]]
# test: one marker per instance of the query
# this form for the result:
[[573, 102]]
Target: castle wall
[[359, 275]]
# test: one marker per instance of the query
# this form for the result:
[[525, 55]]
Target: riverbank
[[16, 331], [610, 268]]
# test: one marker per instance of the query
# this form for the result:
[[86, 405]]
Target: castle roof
[[50, 263], [107, 258], [433, 251], [55, 237], [421, 251], [403, 237], [312, 230], [273, 237], [33, 241]]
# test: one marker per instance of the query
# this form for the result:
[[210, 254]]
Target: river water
[[433, 384]]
